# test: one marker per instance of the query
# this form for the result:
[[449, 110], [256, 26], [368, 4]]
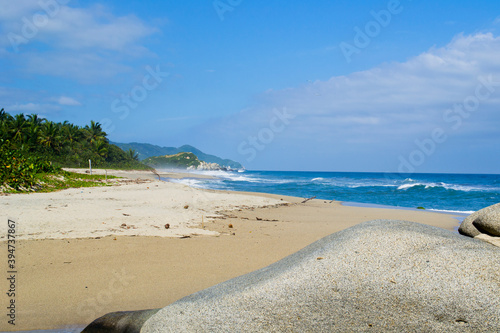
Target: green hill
[[145, 150], [178, 161]]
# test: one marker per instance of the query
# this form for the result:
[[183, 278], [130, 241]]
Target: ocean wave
[[192, 182], [465, 212], [455, 187]]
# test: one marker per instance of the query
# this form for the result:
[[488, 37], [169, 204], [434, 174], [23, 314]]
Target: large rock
[[489, 222], [120, 322], [467, 227], [379, 276]]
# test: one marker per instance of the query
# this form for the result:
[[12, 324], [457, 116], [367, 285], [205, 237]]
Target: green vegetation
[[420, 207], [31, 146], [64, 179], [145, 150], [178, 161]]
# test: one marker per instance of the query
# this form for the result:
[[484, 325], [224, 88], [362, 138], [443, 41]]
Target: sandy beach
[[144, 243]]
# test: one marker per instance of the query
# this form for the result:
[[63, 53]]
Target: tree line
[[63, 144]]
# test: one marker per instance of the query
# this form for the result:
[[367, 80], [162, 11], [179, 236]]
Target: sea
[[452, 193]]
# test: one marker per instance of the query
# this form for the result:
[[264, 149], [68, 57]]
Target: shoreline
[[120, 272]]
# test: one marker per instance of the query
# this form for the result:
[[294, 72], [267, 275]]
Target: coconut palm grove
[[31, 146]]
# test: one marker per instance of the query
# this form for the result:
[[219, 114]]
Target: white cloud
[[63, 100], [86, 67], [74, 28], [86, 44], [15, 10], [28, 107], [383, 108], [78, 28]]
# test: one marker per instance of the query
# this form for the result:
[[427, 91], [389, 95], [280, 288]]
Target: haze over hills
[[145, 150]]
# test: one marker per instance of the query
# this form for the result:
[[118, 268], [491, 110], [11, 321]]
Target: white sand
[[119, 210]]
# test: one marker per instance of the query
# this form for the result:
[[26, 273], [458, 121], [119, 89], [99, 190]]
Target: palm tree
[[18, 128], [101, 148], [33, 131], [50, 136], [94, 132], [4, 116], [133, 154], [71, 135], [5, 120]]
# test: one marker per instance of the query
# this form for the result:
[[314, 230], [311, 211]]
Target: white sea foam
[[407, 186], [456, 187], [193, 182], [465, 212]]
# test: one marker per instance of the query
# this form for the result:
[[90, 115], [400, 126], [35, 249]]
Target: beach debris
[[420, 207], [306, 200], [186, 207], [230, 226], [167, 226], [125, 214], [156, 173], [184, 237], [124, 225], [264, 220], [320, 258]]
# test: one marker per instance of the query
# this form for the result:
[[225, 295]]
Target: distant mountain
[[145, 150]]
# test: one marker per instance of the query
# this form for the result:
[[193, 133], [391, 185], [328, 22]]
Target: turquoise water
[[461, 193]]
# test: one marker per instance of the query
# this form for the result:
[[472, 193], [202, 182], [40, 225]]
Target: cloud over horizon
[[381, 111]]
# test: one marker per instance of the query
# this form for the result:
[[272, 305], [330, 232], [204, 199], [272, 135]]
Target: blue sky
[[399, 86]]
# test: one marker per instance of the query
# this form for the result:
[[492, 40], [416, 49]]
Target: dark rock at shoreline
[[379, 276], [120, 322]]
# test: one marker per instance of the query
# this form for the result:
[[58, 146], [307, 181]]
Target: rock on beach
[[489, 222], [120, 322], [379, 276], [469, 225]]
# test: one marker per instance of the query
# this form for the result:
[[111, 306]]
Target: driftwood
[[156, 173], [306, 200]]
